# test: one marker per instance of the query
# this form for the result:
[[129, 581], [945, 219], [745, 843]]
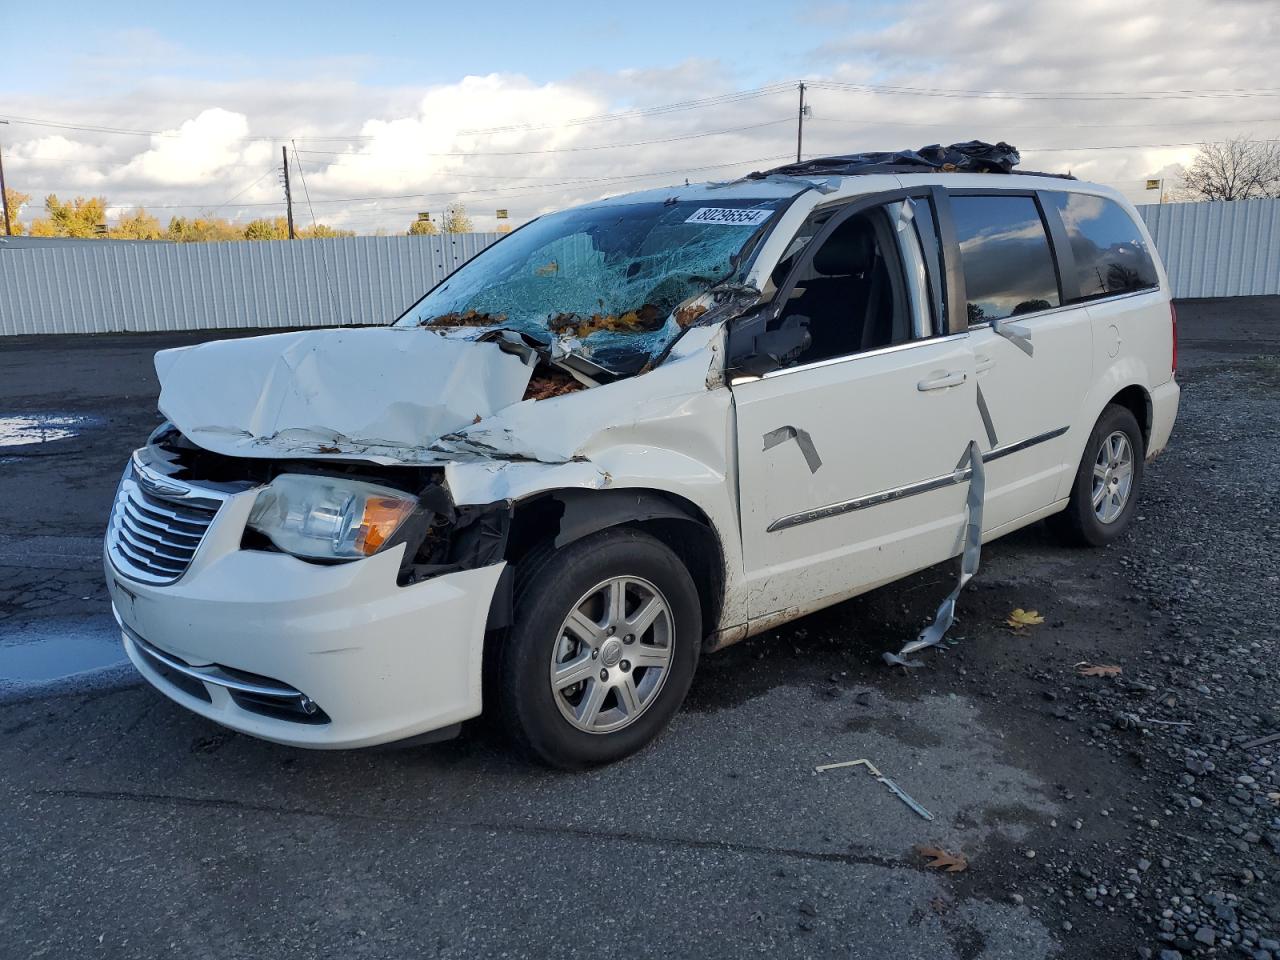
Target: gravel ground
[[1111, 816]]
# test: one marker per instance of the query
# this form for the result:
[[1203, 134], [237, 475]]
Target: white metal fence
[[108, 288], [1218, 249], [1209, 249]]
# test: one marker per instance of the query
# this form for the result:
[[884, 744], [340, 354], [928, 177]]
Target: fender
[[587, 512]]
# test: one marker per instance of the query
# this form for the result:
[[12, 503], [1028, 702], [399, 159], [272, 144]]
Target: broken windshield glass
[[604, 281]]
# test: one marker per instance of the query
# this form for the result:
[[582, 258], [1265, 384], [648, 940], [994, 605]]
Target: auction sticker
[[730, 216]]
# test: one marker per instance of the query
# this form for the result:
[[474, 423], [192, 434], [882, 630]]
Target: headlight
[[325, 518]]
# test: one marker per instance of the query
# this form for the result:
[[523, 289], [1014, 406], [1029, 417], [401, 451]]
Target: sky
[[394, 108]]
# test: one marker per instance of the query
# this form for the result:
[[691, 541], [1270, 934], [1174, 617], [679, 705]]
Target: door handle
[[982, 362], [951, 378]]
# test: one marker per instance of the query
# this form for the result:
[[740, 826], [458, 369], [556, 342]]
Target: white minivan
[[631, 433]]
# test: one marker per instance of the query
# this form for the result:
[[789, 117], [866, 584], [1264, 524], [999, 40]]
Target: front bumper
[[375, 662]]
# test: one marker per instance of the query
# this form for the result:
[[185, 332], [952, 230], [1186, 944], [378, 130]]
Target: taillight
[[1173, 329]]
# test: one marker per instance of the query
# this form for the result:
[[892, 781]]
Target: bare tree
[[1236, 169]]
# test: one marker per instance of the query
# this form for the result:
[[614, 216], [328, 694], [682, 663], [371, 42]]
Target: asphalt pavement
[[131, 828]]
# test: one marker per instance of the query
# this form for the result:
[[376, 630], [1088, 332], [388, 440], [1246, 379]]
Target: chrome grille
[[157, 525]]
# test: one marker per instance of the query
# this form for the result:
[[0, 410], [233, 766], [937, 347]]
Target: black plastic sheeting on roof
[[975, 156]]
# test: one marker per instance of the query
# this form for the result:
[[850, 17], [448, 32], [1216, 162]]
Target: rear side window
[[1004, 250], [1110, 254]]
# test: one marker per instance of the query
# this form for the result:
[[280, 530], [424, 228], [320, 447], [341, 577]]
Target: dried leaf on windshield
[[470, 318], [1099, 670], [644, 320], [686, 315], [1024, 618], [941, 860], [548, 382]]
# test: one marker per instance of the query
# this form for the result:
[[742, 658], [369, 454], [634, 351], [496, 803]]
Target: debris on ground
[[893, 788], [1098, 670], [941, 860], [1024, 618]]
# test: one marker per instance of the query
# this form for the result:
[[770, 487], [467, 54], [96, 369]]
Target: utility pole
[[4, 197], [288, 197], [800, 124]]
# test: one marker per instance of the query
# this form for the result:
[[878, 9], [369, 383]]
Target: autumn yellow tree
[[456, 219], [423, 228], [15, 201], [202, 230], [137, 225], [83, 217], [267, 228], [322, 231]]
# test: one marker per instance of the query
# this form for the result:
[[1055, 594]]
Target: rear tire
[[601, 651], [1105, 492]]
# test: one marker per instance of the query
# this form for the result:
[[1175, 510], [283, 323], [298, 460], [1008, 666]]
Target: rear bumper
[[1164, 411], [309, 655]]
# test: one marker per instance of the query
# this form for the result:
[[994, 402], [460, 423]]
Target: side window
[[1110, 254], [1006, 258], [862, 287]]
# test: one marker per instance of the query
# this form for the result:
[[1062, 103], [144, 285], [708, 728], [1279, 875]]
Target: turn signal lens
[[382, 517]]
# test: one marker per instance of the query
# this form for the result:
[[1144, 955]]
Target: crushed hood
[[377, 391]]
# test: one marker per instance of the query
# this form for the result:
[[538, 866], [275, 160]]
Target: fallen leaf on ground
[[1105, 670], [1024, 618], [941, 860]]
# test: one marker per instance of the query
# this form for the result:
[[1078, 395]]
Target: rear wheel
[[1104, 495], [601, 651]]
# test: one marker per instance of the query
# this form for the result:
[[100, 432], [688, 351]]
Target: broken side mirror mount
[[774, 349]]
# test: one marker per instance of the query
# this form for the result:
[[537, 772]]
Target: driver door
[[848, 455]]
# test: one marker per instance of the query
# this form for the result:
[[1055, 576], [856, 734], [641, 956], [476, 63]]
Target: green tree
[[423, 228], [137, 225], [16, 201], [456, 219], [79, 218]]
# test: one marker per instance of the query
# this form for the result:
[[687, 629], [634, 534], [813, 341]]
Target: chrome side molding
[[911, 489]]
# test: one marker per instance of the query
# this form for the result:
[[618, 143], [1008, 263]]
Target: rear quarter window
[[1110, 254], [1005, 254]]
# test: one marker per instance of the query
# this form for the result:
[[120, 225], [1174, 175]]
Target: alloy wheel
[[612, 654]]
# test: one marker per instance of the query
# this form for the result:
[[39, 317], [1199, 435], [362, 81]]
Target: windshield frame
[[745, 257]]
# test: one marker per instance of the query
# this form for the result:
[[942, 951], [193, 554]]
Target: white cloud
[[195, 152], [421, 141]]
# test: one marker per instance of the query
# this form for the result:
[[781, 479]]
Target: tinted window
[[1110, 254], [1008, 267]]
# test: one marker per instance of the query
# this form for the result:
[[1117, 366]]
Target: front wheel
[[1105, 492], [601, 651]]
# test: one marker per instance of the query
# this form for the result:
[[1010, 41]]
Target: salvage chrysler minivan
[[632, 433]]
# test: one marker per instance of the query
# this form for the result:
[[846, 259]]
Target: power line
[[1109, 95], [266, 173], [713, 101], [582, 181], [1043, 126], [597, 146], [657, 110]]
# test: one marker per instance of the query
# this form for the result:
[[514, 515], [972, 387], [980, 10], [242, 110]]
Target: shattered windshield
[[603, 281]]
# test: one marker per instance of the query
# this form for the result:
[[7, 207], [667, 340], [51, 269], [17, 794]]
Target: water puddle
[[23, 429], [43, 650]]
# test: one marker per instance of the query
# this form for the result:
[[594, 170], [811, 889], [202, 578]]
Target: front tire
[[602, 648], [1104, 495]]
